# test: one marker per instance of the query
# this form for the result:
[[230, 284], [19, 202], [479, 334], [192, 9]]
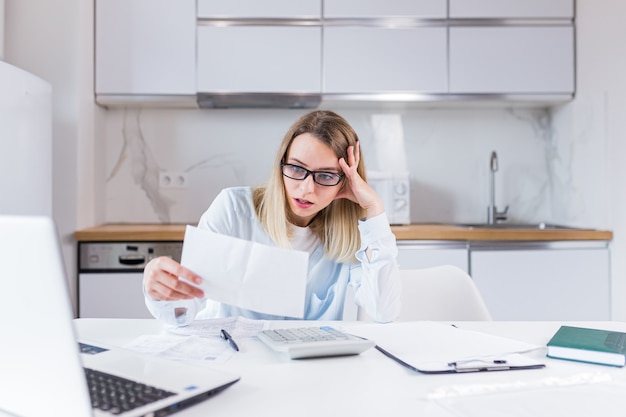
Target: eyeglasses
[[295, 172]]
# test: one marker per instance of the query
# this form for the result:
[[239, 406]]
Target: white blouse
[[376, 288]]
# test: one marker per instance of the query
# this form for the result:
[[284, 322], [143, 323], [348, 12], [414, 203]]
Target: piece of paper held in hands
[[246, 274]]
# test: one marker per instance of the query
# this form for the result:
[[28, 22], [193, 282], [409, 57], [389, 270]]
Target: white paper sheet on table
[[246, 274]]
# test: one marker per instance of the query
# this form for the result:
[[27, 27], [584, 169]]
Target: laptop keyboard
[[118, 395]]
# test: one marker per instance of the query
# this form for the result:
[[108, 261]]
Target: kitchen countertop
[[176, 232]]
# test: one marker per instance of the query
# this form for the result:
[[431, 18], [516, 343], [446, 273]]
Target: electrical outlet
[[172, 179]]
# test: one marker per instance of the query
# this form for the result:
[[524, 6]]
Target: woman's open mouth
[[302, 203]]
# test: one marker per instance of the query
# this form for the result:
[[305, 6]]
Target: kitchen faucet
[[493, 215]]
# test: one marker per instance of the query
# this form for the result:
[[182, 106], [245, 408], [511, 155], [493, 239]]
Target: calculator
[[314, 342]]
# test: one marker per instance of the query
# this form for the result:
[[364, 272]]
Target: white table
[[372, 385]]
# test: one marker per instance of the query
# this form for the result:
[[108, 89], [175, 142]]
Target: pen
[[226, 336]]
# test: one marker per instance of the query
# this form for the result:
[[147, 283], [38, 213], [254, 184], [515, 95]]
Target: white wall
[[565, 165], [601, 68]]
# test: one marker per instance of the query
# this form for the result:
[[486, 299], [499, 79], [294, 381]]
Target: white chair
[[441, 293]]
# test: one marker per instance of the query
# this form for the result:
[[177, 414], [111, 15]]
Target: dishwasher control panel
[[124, 256]]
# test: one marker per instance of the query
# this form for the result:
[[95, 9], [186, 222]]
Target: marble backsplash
[[551, 165]]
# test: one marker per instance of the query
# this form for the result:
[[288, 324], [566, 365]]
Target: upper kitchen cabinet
[[259, 59], [372, 49], [503, 9], [512, 47], [145, 49], [512, 60], [259, 54], [384, 60], [297, 54], [376, 9], [259, 9]]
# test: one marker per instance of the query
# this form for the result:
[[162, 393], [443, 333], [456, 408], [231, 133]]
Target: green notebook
[[603, 347]]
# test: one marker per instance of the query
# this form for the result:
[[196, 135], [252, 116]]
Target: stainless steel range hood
[[258, 100], [207, 100]]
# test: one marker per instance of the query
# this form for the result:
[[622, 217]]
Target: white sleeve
[[176, 313], [378, 289], [218, 218]]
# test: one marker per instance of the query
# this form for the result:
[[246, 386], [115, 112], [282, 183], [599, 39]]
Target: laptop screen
[[39, 361]]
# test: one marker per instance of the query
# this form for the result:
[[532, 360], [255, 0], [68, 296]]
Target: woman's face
[[307, 198]]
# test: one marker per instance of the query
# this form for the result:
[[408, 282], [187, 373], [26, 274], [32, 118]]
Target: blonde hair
[[341, 216]]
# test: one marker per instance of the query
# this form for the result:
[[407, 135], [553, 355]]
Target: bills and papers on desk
[[182, 348], [200, 341], [247, 274], [430, 347], [235, 326]]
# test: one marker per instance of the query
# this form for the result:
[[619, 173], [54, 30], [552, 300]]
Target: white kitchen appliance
[[110, 276], [26, 143], [395, 191]]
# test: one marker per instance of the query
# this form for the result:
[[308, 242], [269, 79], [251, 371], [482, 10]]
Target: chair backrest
[[441, 293]]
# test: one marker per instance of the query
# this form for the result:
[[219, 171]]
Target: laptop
[[44, 368]]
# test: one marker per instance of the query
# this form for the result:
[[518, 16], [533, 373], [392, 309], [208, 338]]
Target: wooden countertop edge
[[176, 232], [132, 232]]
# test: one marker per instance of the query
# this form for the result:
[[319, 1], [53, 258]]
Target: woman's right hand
[[160, 278]]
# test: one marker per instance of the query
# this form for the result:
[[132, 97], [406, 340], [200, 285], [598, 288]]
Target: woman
[[316, 200]]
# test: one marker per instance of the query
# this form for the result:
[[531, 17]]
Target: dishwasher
[[110, 276]]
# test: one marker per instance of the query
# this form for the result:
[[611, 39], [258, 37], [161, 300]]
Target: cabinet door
[[112, 295], [551, 284], [374, 60], [279, 9], [145, 47], [419, 255], [512, 60], [511, 8], [381, 9], [259, 59]]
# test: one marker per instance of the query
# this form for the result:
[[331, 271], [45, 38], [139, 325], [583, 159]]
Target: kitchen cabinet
[[281, 53], [490, 9], [424, 254], [360, 9], [384, 60], [389, 52], [255, 9], [509, 47], [250, 52], [259, 59], [512, 60], [145, 47], [556, 281]]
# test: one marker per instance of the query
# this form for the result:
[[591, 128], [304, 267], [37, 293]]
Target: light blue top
[[376, 289]]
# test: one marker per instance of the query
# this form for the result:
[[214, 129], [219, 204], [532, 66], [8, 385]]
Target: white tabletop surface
[[372, 385]]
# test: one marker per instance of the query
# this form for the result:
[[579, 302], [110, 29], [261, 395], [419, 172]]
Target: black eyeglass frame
[[308, 172]]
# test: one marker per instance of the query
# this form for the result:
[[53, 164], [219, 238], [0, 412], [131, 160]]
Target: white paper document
[[250, 275]]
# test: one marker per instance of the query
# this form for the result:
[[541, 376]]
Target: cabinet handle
[[132, 260]]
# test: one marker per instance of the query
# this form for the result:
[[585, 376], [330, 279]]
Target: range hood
[[213, 100], [374, 100], [258, 100]]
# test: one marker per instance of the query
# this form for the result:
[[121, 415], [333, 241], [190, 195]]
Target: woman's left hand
[[356, 189]]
